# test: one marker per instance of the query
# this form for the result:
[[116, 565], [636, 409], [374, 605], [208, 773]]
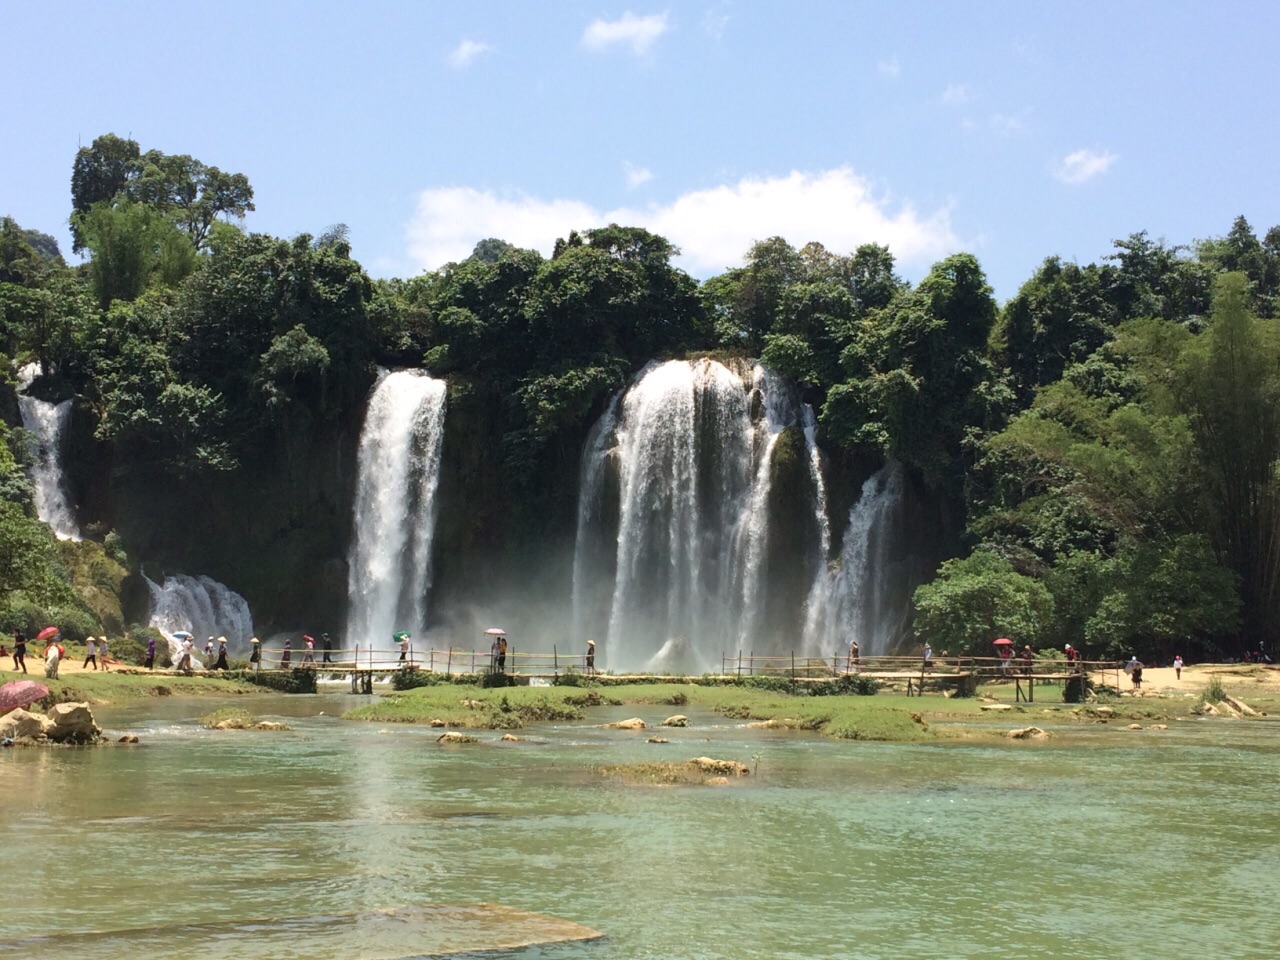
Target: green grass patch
[[234, 718], [471, 708]]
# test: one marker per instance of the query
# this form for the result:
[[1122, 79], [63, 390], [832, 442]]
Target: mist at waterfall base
[[47, 423], [202, 607], [703, 529]]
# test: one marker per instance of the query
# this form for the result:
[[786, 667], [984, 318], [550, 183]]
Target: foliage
[[977, 599]]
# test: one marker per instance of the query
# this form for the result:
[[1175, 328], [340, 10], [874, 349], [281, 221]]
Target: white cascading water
[[47, 421], [691, 443], [395, 509], [202, 607], [854, 600]]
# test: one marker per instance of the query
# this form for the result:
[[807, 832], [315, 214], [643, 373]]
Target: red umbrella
[[21, 693], [46, 633], [1002, 641]]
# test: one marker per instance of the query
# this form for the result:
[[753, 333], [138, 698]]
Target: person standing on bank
[[1177, 666], [855, 656], [222, 655], [255, 655], [91, 650], [150, 662], [591, 658], [19, 651], [103, 654]]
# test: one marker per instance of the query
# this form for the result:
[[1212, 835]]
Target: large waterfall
[[861, 598], [395, 510], [679, 554], [203, 607], [46, 422]]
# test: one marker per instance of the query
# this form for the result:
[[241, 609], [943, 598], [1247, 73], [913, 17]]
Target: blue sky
[[1011, 130]]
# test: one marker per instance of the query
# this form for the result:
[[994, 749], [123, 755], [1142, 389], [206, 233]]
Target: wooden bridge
[[964, 674]]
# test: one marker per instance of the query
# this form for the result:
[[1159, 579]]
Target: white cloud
[[956, 93], [636, 176], [714, 22], [1084, 165], [638, 32], [713, 227], [890, 67], [465, 52]]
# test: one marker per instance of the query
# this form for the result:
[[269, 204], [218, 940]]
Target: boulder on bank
[[19, 723], [72, 723], [635, 723], [720, 767], [679, 720]]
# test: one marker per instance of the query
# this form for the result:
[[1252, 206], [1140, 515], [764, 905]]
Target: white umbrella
[[495, 632]]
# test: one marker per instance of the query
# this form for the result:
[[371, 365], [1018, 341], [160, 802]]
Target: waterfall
[[858, 599], [395, 510], [202, 607], [690, 447], [46, 422]]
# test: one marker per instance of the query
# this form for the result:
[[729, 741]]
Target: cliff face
[[275, 530]]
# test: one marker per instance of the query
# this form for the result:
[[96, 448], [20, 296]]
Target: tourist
[[188, 648], [328, 648], [308, 650], [502, 654], [493, 656], [255, 655], [403, 638], [1136, 676], [19, 651], [1177, 666], [928, 657], [286, 655], [103, 653], [208, 651], [222, 655], [1072, 653], [52, 654], [91, 655], [1005, 650], [591, 657], [150, 662], [1028, 657], [855, 656]]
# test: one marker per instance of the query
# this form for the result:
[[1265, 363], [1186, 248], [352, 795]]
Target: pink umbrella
[[1002, 641], [47, 633], [21, 693]]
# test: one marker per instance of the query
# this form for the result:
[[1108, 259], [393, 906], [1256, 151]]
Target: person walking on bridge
[[855, 656], [591, 658], [328, 648]]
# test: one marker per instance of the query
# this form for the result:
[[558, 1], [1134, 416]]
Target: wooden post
[[555, 661], [449, 664], [739, 661], [793, 664]]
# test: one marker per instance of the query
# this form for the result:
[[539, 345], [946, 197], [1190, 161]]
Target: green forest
[[1103, 447]]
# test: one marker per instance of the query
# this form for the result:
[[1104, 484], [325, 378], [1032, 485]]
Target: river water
[[1121, 845]]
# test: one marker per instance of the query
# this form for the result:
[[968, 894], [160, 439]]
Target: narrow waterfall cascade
[[679, 478], [202, 607], [47, 423], [395, 510], [860, 598]]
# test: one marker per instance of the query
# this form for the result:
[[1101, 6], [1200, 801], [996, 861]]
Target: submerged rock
[[635, 723], [658, 740], [454, 737], [679, 720], [1028, 733], [128, 738], [720, 767], [996, 706]]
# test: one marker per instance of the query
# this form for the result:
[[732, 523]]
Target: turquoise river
[[1107, 844]]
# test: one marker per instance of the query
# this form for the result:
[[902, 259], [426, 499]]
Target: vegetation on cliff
[[1102, 448]]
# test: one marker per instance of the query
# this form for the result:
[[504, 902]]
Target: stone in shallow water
[[394, 934]]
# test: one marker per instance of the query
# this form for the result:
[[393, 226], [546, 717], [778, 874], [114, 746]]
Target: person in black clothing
[[328, 648], [19, 650]]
